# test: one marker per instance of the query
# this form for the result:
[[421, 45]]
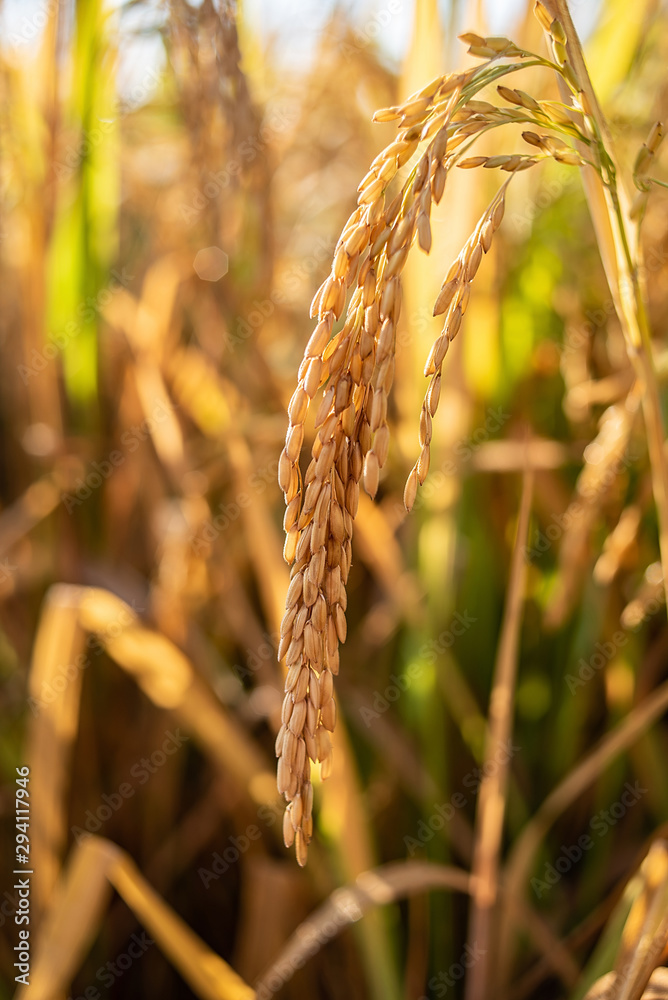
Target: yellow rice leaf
[[162, 671], [209, 976], [76, 914], [611, 50], [646, 930], [73, 920], [51, 731], [167, 677]]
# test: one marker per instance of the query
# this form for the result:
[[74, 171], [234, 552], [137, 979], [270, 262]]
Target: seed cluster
[[354, 368], [452, 301]]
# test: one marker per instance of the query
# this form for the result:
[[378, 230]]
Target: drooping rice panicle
[[353, 366]]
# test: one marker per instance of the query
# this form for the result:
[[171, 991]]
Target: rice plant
[[479, 668]]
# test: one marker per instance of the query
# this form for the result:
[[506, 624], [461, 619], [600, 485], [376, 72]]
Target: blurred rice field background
[[173, 179]]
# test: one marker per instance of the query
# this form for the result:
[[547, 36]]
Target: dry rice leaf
[[163, 673], [76, 915], [227, 743], [199, 390], [347, 905], [604, 461], [345, 820], [73, 920], [160, 669], [146, 321], [154, 310], [520, 861], [647, 598], [617, 546], [657, 988], [159, 413], [646, 930], [51, 731], [493, 789], [169, 680], [262, 538], [379, 887], [121, 311], [271, 907], [513, 456], [556, 953], [38, 501], [208, 975], [146, 325]]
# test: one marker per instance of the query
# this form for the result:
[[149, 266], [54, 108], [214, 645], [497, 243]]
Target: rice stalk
[[616, 227], [493, 789], [39, 501], [621, 936], [346, 905], [657, 987], [380, 887], [645, 933], [51, 732], [522, 854], [604, 459]]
